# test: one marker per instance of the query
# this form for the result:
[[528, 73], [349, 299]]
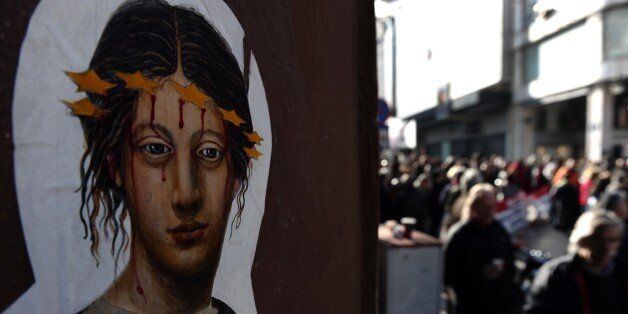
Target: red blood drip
[[138, 286], [163, 173], [203, 119], [140, 291], [181, 103], [133, 253]]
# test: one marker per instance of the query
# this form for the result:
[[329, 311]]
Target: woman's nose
[[186, 196]]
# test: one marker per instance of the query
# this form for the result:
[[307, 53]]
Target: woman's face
[[621, 208], [484, 208], [602, 250], [178, 181]]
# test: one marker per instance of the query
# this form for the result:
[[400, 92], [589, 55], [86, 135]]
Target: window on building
[[494, 145], [541, 120], [433, 150], [473, 127], [621, 112], [616, 33], [549, 59], [531, 64], [572, 115], [459, 147]]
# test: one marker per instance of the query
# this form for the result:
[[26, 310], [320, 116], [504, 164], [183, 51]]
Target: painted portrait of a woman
[[169, 143]]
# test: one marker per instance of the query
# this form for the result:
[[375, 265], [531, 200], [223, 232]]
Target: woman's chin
[[191, 262]]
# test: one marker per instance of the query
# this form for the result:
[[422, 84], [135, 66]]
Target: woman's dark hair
[[151, 36]]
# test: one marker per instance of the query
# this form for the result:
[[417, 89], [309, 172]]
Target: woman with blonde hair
[[584, 280], [479, 257]]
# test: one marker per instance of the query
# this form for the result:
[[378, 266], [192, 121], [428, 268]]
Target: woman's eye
[[209, 153], [156, 149]]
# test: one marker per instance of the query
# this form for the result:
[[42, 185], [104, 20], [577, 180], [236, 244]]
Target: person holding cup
[[479, 256]]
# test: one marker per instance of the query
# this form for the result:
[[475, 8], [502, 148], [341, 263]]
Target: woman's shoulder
[[560, 268], [222, 307]]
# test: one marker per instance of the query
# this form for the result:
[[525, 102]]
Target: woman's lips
[[186, 234]]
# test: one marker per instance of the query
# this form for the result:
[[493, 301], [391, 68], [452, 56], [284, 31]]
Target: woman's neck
[[142, 287]]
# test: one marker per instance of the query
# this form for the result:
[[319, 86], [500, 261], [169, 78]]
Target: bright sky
[[464, 38]]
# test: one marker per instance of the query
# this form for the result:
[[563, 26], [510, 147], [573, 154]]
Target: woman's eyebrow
[[152, 127], [198, 134]]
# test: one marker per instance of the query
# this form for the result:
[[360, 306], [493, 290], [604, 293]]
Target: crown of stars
[[85, 108], [254, 137], [138, 81], [252, 152], [89, 81], [193, 95], [231, 116]]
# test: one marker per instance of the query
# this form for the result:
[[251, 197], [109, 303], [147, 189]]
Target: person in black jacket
[[565, 204], [616, 201], [479, 257], [584, 281], [449, 195], [415, 202]]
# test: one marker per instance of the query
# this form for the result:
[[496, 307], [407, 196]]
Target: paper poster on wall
[[142, 150]]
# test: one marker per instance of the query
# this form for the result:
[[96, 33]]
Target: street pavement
[[544, 237]]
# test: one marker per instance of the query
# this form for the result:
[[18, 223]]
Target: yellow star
[[252, 152], [90, 82], [192, 94], [231, 116], [254, 137], [138, 81], [85, 108]]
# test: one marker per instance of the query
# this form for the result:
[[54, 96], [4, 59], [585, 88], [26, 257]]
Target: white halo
[[62, 35]]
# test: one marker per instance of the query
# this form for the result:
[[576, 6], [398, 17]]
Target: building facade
[[445, 67], [570, 69], [512, 78]]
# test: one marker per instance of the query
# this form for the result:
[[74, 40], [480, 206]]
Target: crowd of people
[[456, 200]]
